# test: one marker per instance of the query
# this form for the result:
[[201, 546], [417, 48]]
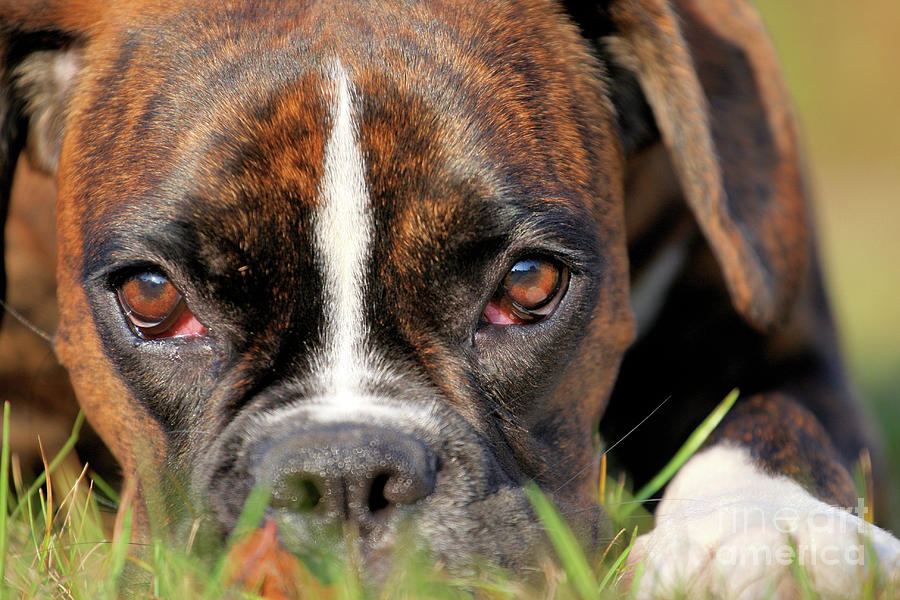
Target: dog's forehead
[[450, 103]]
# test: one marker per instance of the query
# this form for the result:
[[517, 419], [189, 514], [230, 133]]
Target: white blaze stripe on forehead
[[343, 228]]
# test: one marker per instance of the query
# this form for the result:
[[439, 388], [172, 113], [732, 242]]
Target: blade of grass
[[687, 450], [614, 568], [636, 576], [119, 552], [252, 514], [865, 467], [567, 547], [4, 499], [32, 527], [46, 516], [48, 521], [90, 526], [603, 477], [108, 491], [63, 452], [158, 564]]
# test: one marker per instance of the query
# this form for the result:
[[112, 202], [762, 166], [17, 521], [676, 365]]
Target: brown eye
[[151, 303], [530, 291]]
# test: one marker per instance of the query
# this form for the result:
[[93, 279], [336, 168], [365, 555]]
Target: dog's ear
[[711, 80], [40, 59]]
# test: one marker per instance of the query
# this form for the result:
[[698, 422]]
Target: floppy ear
[[39, 62], [712, 82]]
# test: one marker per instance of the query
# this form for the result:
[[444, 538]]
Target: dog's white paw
[[726, 529]]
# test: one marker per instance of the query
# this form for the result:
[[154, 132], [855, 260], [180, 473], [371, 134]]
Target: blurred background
[[842, 64]]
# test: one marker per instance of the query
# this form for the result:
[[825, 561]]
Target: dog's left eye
[[155, 308], [530, 291]]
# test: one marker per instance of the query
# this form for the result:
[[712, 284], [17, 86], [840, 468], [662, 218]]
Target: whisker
[[617, 442], [633, 429], [26, 323]]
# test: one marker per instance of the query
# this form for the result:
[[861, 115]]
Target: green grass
[[54, 544]]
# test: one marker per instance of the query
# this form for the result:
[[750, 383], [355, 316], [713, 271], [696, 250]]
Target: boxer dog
[[393, 259]]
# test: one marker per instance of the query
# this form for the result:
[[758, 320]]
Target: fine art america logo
[[808, 539]]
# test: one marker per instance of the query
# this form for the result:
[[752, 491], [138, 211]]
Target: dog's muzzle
[[380, 474]]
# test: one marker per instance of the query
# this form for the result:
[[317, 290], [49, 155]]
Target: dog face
[[342, 246], [371, 256]]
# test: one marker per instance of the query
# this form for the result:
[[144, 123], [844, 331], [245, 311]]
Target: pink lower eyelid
[[186, 325], [497, 315], [190, 327]]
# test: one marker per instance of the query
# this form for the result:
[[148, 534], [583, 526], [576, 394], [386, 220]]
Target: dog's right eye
[[529, 292], [155, 308]]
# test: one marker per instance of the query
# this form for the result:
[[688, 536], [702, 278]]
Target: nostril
[[377, 500], [409, 485], [297, 493]]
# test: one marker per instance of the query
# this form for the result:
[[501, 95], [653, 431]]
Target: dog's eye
[[155, 308], [530, 291]]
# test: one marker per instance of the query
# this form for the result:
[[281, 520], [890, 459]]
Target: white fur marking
[[343, 233], [371, 410]]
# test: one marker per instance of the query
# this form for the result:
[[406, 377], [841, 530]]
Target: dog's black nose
[[353, 473]]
